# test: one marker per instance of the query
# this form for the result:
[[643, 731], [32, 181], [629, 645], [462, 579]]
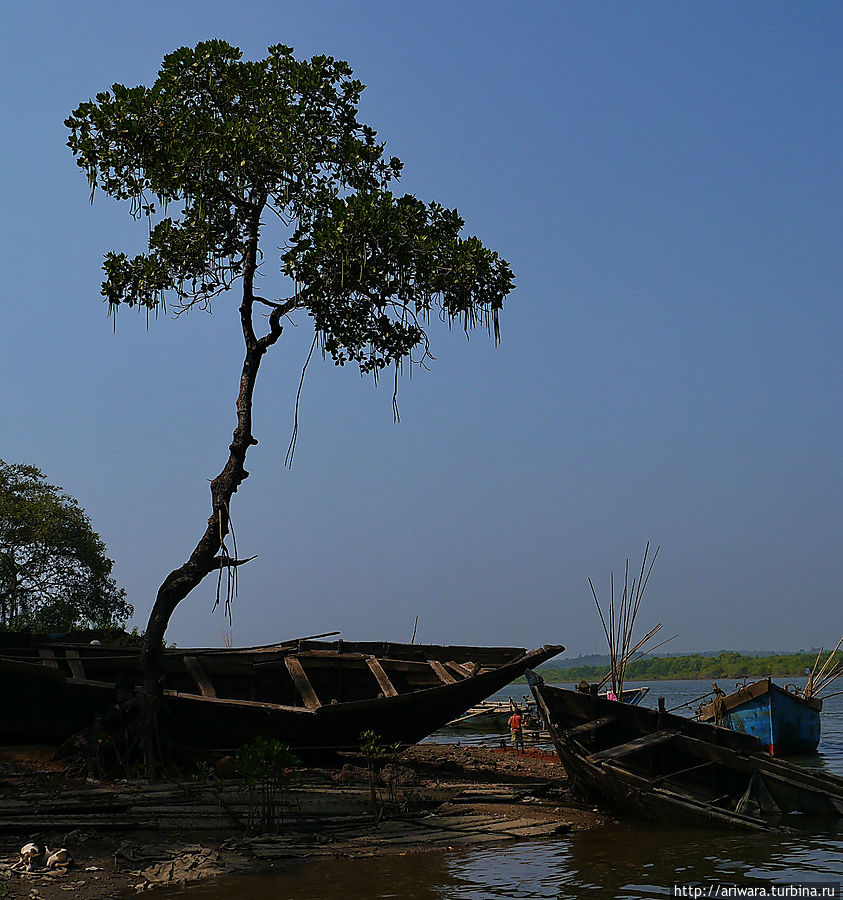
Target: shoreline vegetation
[[726, 664]]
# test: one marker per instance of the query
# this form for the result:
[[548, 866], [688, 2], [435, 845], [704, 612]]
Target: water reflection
[[624, 862], [646, 860]]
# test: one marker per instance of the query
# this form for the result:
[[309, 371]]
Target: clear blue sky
[[665, 179]]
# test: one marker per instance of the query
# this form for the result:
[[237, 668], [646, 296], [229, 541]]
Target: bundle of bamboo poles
[[619, 622], [829, 672]]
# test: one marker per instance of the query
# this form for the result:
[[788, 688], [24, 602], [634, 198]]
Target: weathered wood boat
[[785, 722], [313, 696], [670, 769], [491, 715]]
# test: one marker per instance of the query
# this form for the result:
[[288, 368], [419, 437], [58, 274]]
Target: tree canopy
[[54, 572], [218, 150], [234, 142]]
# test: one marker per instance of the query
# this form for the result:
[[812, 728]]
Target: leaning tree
[[211, 155]]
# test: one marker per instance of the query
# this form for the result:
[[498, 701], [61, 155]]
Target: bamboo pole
[[624, 628], [825, 664], [622, 618], [653, 649], [647, 637], [612, 660], [600, 611], [809, 687], [638, 595], [830, 657], [641, 584], [638, 647], [831, 677], [835, 694]]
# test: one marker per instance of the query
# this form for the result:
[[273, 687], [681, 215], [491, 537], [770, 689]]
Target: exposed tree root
[[135, 739]]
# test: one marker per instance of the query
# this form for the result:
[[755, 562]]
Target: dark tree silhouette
[[54, 571]]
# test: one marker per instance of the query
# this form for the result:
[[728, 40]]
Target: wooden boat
[[311, 695], [674, 770], [491, 715], [785, 722]]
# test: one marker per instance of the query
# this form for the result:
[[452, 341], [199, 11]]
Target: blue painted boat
[[786, 723]]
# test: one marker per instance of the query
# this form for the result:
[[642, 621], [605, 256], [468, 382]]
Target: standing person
[[516, 730]]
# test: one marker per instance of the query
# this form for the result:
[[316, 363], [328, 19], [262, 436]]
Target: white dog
[[34, 857]]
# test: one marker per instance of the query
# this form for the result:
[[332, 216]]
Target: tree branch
[[227, 562], [286, 305], [275, 327]]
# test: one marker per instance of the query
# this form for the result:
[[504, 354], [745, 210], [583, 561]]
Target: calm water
[[623, 861]]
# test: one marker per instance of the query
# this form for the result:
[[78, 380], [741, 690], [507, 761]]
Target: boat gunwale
[[748, 692], [540, 654]]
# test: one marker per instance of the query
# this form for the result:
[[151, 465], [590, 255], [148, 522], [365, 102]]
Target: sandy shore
[[126, 838]]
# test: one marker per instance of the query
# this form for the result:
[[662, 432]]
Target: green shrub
[[267, 768]]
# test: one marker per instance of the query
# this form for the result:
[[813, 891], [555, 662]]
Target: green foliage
[[234, 143], [203, 773], [54, 572], [372, 748], [267, 768], [375, 754], [726, 664]]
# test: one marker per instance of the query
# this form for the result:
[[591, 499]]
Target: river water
[[629, 860]]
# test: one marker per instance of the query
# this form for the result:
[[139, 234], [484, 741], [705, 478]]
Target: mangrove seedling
[[267, 767]]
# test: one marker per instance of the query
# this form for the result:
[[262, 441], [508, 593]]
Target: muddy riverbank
[[127, 837]]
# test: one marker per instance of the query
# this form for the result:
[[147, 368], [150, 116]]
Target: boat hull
[[654, 765], [785, 723], [317, 699]]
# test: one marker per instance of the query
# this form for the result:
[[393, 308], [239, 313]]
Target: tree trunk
[[206, 556], [181, 581]]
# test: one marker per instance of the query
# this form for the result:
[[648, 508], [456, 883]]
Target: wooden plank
[[383, 679], [464, 670], [198, 674], [709, 750], [805, 791], [318, 659], [184, 697], [715, 813], [442, 673], [593, 725], [679, 772], [302, 682], [48, 658], [75, 663], [642, 743]]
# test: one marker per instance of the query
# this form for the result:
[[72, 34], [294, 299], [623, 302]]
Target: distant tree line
[[726, 664]]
